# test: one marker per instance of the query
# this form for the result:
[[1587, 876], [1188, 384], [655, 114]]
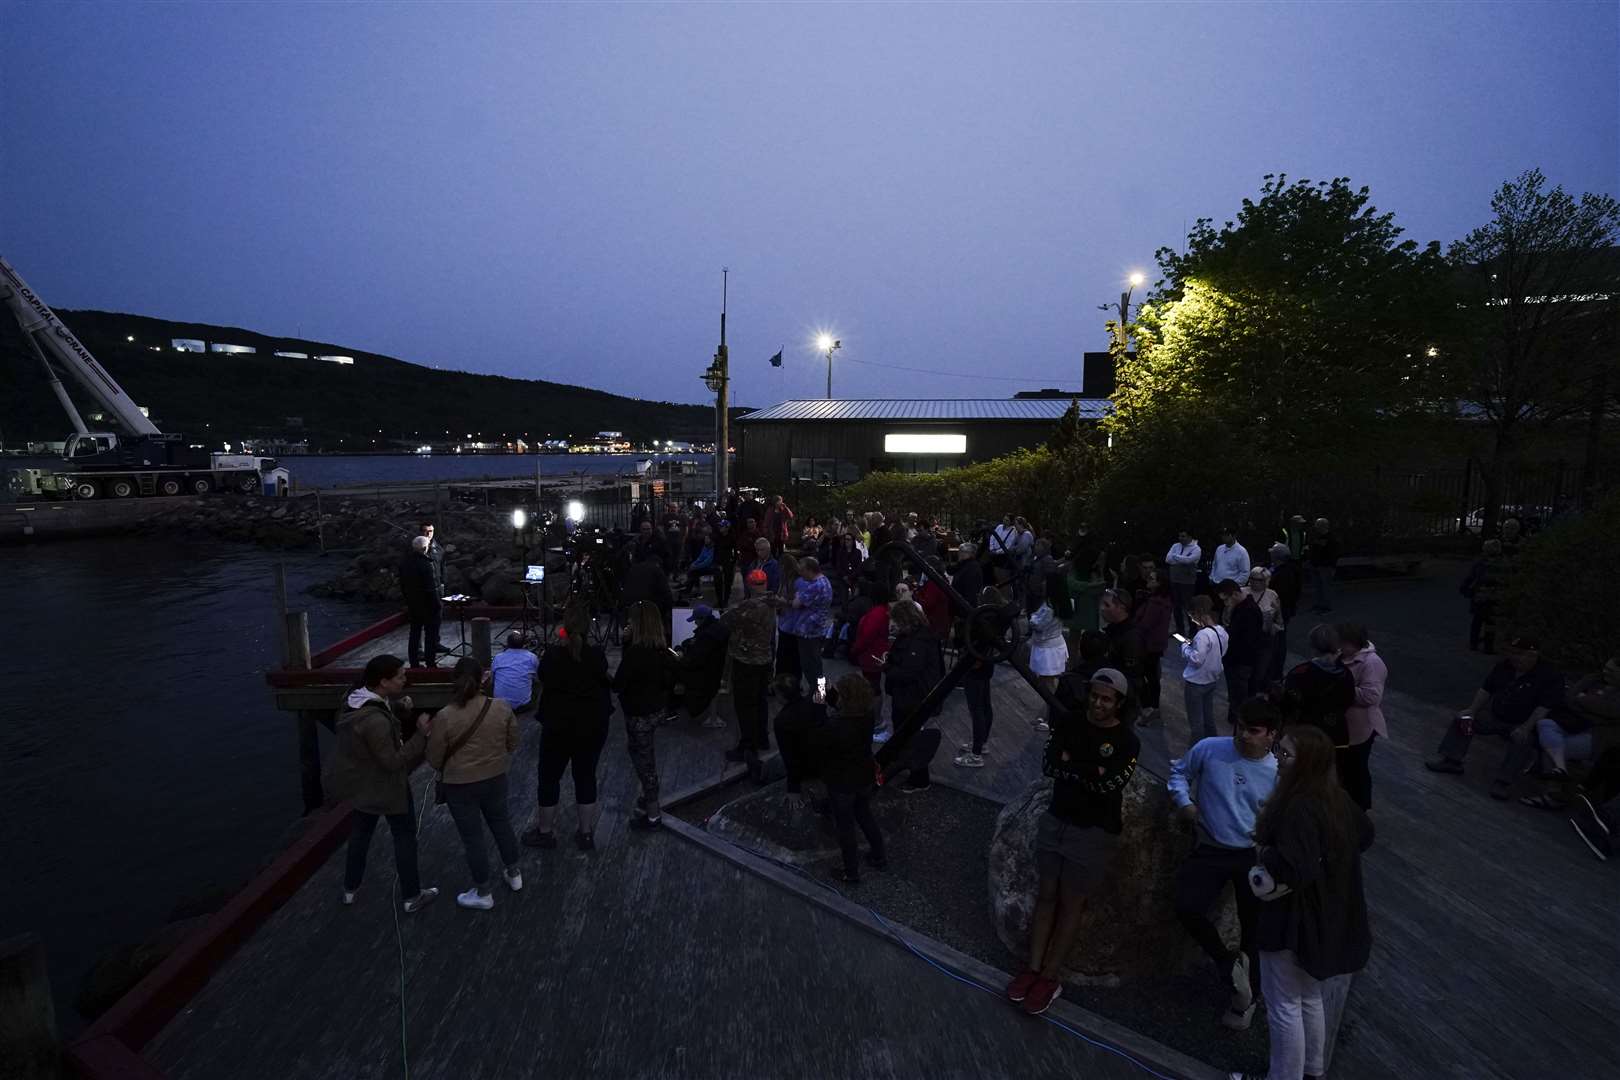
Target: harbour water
[[332, 470], [143, 763]]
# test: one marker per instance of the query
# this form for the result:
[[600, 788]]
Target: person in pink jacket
[[1364, 719]]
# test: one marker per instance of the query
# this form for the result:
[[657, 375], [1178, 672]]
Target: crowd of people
[[1277, 792]]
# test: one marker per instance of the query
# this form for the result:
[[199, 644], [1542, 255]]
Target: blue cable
[[893, 934]]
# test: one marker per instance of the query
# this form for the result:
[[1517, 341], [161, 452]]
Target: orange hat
[[756, 577]]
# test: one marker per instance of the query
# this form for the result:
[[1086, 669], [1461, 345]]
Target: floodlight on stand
[[575, 511], [520, 518]]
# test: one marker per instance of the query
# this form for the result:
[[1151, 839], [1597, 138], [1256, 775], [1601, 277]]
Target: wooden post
[[297, 629], [28, 1041], [480, 641], [309, 743], [278, 600]]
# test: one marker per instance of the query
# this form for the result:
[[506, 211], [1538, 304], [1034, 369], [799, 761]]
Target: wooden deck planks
[[1495, 950]]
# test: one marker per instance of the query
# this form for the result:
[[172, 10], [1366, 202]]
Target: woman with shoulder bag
[[472, 744], [1205, 656], [1313, 919], [574, 708]]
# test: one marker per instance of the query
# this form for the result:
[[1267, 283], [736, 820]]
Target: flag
[[776, 361]]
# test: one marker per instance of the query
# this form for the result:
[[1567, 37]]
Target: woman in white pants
[[1313, 922]]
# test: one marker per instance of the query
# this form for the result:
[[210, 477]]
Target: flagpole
[[722, 456]]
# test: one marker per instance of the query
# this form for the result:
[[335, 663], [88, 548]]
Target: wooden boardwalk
[[1496, 953], [648, 958]]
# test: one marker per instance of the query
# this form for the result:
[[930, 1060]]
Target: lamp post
[[1131, 283], [717, 378], [829, 345]]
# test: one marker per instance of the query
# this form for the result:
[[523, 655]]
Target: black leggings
[[1153, 670], [565, 744]]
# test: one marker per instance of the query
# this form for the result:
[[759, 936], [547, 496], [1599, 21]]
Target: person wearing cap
[[1090, 758], [751, 626], [703, 664], [1218, 789], [1518, 694], [1230, 562]]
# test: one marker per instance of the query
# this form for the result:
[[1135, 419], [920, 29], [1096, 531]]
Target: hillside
[[236, 396]]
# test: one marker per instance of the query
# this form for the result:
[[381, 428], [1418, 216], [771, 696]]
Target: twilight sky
[[551, 191]]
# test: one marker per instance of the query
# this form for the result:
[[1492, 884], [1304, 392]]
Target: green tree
[[1272, 346], [1537, 292]]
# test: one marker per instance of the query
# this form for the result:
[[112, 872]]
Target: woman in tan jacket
[[471, 745]]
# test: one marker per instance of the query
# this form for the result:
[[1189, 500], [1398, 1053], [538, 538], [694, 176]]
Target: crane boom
[[51, 338]]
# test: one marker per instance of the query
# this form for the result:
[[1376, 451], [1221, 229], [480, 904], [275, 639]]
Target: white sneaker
[[472, 899], [514, 878], [881, 736], [348, 897], [969, 760], [1042, 726], [421, 900]]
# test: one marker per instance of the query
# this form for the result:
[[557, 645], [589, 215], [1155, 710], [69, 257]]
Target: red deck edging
[[358, 638], [110, 1048]]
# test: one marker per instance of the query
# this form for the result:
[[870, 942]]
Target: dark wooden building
[[829, 442]]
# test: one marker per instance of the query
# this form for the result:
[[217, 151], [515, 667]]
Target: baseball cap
[[1113, 679], [757, 577], [702, 611]]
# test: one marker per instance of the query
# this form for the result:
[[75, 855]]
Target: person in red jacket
[[870, 647], [935, 604], [778, 521]]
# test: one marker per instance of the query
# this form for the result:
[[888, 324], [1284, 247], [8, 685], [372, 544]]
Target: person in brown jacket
[[372, 769], [471, 744]]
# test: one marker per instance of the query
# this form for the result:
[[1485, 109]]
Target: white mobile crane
[[139, 461]]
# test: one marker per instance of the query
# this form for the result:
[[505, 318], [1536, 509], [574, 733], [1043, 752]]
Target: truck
[[140, 459]]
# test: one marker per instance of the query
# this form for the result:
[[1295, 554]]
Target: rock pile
[[1129, 931], [480, 559]]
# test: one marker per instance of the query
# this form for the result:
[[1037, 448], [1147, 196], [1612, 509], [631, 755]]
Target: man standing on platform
[[420, 583]]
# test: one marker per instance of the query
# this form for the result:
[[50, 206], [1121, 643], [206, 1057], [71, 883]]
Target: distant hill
[[236, 396]]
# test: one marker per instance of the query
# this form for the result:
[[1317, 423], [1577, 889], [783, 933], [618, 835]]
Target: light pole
[[829, 345], [1131, 283], [717, 379]]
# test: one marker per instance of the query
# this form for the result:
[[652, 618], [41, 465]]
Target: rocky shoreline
[[368, 535]]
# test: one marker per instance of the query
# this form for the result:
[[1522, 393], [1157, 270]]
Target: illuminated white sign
[[912, 443]]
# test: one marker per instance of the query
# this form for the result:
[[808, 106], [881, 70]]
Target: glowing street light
[[575, 511], [1137, 279], [828, 344], [1132, 283]]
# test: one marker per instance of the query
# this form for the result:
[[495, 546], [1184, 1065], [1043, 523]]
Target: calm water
[[143, 762], [327, 471]]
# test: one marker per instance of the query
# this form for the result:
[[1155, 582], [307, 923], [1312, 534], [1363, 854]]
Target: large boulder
[[1129, 932]]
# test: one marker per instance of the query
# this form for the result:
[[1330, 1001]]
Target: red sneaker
[[1018, 989], [1041, 996]]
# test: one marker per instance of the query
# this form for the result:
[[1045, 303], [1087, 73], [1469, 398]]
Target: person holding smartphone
[[1203, 653]]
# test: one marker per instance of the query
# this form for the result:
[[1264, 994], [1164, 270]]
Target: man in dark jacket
[[646, 580], [420, 583], [703, 659], [1322, 554], [1287, 581], [1125, 652], [796, 725], [843, 746], [1246, 625]]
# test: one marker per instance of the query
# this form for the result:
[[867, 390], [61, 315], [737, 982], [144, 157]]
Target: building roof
[[1029, 410]]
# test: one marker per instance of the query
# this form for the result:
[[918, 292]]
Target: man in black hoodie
[[1125, 651], [420, 584], [1246, 625]]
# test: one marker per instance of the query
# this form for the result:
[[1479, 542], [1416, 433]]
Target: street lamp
[[1132, 283], [829, 345]]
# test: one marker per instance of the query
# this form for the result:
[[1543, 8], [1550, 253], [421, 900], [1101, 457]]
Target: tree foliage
[[1272, 345], [1536, 295], [1570, 613]]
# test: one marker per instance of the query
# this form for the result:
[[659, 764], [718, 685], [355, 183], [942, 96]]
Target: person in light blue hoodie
[[1218, 788]]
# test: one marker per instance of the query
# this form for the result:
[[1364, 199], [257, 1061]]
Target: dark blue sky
[[550, 191]]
